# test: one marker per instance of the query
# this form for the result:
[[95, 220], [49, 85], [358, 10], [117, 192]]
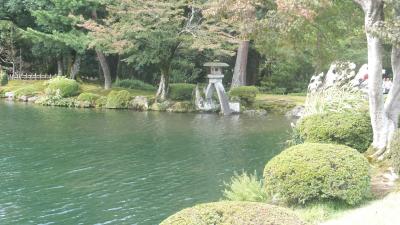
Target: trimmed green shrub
[[351, 129], [118, 100], [3, 78], [28, 91], [234, 213], [101, 102], [311, 171], [66, 87], [134, 84], [56, 100], [395, 152], [88, 97], [245, 94], [181, 91], [245, 187]]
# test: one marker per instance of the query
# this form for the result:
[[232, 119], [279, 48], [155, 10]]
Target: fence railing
[[28, 76]]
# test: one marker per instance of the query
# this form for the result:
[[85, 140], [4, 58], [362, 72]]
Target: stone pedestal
[[215, 82]]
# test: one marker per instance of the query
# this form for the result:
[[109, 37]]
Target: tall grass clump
[[245, 187], [335, 99]]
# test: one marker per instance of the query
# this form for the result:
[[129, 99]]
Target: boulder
[[33, 99], [23, 98], [181, 107], [9, 95], [140, 103], [258, 112], [160, 106], [296, 113]]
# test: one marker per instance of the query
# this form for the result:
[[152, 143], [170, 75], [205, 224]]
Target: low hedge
[[181, 91], [134, 84], [118, 99], [310, 172], [28, 91], [395, 152], [88, 97], [351, 129], [234, 213], [66, 87], [245, 94]]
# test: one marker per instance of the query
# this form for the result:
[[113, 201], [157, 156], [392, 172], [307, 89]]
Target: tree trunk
[[60, 67], [75, 67], [106, 69], [239, 74], [373, 10], [392, 105], [163, 86]]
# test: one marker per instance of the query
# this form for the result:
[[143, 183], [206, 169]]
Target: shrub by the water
[[351, 129], [311, 171], [134, 84], [28, 91], [66, 87], [89, 97], [181, 91], [245, 94], [234, 213], [101, 102], [245, 187], [118, 100], [3, 78], [395, 152]]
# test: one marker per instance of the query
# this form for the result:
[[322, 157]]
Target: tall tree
[[241, 16], [147, 33]]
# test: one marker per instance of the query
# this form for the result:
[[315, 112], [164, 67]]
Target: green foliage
[[295, 138], [335, 99], [311, 171], [234, 213], [118, 100], [245, 94], [134, 84], [66, 87], [395, 151], [351, 129], [86, 99], [56, 100], [181, 91], [28, 91], [3, 78], [245, 187], [101, 102]]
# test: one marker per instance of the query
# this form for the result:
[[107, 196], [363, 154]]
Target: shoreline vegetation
[[139, 98]]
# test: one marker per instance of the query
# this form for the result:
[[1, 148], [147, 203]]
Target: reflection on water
[[74, 166]]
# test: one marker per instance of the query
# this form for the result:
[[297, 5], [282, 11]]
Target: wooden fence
[[28, 76]]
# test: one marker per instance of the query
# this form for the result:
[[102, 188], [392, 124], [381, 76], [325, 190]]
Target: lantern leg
[[223, 99]]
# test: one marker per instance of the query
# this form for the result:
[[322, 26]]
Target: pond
[[74, 166]]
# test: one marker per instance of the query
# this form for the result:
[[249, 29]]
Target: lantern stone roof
[[216, 64]]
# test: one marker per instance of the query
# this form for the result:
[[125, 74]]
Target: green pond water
[[73, 166]]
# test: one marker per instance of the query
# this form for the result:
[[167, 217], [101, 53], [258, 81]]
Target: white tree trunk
[[105, 68], [240, 72], [59, 67], [75, 67], [162, 87]]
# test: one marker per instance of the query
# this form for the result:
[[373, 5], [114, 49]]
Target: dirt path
[[382, 212]]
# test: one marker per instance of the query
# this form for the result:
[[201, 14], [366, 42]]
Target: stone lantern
[[215, 82]]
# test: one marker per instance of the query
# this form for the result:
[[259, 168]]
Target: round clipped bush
[[395, 152], [245, 94], [181, 91], [311, 171], [350, 129], [233, 213], [62, 85], [118, 99]]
